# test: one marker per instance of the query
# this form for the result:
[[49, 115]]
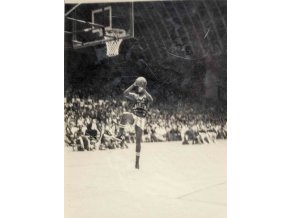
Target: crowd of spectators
[[91, 122]]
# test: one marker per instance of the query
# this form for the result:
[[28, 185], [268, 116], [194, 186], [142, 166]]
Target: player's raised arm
[[128, 90], [128, 94], [149, 97]]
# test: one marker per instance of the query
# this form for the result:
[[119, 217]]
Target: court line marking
[[207, 202], [201, 189]]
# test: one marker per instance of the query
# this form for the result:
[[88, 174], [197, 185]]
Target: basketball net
[[113, 35]]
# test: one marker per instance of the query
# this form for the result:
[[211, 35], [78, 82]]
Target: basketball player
[[140, 100]]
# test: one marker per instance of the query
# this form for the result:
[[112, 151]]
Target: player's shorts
[[139, 121]]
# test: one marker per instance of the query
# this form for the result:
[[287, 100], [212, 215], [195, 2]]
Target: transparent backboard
[[87, 24]]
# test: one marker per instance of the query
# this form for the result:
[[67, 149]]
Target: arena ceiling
[[178, 36], [187, 30]]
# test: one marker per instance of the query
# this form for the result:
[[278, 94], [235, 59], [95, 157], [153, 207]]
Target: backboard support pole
[[132, 17], [71, 10]]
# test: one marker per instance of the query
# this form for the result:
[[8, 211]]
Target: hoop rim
[[114, 32]]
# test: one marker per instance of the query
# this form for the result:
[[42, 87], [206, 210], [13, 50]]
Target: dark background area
[[180, 47]]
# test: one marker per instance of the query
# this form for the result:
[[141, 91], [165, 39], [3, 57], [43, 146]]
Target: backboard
[[88, 24]]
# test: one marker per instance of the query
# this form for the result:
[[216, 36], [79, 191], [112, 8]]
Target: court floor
[[174, 181]]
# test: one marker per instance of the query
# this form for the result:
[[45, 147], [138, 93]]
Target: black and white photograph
[[121, 109], [145, 109]]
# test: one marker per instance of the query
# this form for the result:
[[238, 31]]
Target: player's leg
[[138, 145]]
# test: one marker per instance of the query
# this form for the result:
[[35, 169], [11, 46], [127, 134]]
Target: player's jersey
[[140, 104]]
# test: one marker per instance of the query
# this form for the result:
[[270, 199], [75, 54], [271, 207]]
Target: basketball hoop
[[113, 36]]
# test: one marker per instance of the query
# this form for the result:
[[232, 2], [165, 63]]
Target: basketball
[[141, 81]]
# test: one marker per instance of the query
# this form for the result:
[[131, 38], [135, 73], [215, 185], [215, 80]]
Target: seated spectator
[[70, 134], [222, 133], [168, 134], [160, 134], [147, 134], [203, 136], [87, 121], [212, 133], [80, 122], [153, 134], [175, 133], [93, 129], [173, 119], [188, 135], [83, 142], [195, 135], [178, 133]]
